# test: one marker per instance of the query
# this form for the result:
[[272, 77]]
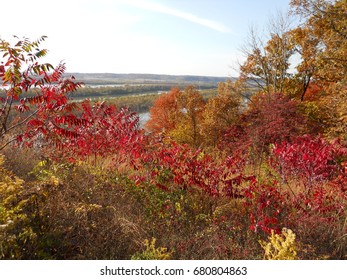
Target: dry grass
[[82, 211]]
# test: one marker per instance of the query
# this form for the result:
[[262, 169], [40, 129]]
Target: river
[[144, 117]]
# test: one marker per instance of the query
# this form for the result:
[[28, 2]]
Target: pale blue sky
[[193, 37]]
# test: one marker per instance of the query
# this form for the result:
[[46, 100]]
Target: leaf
[[35, 122], [35, 99]]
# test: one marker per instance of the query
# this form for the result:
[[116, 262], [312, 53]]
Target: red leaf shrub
[[180, 166], [311, 159], [266, 206], [270, 119], [100, 130], [105, 131]]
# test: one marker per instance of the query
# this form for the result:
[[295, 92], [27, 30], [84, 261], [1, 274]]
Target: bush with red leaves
[[311, 159]]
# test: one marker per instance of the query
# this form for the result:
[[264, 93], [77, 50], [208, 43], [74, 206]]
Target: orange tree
[[165, 111], [178, 114]]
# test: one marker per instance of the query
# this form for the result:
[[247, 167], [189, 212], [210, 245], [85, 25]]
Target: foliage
[[335, 121], [172, 164], [165, 112], [191, 106], [21, 220], [274, 119], [152, 252], [102, 130], [74, 213], [323, 49], [22, 72], [11, 216], [325, 23], [312, 159], [267, 63], [266, 207], [268, 120], [223, 173], [179, 115], [220, 113], [281, 246]]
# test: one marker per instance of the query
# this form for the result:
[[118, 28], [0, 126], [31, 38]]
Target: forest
[[227, 175]]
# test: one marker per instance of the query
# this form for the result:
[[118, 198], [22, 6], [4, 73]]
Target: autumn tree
[[324, 55], [165, 112], [306, 47], [30, 89], [178, 114], [325, 22], [319, 43], [191, 106], [322, 38], [220, 113], [267, 63]]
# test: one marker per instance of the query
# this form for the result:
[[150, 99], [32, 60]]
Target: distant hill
[[109, 78]]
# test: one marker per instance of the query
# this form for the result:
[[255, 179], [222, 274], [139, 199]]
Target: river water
[[144, 117]]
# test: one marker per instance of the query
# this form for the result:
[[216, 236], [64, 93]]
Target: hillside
[[109, 78]]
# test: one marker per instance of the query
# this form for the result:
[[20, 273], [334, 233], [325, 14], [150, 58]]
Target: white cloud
[[159, 8]]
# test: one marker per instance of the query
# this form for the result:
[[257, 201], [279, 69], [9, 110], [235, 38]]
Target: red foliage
[[180, 166], [35, 110], [106, 131], [272, 207], [269, 120], [266, 207], [273, 119], [235, 139], [311, 159], [313, 92], [100, 130]]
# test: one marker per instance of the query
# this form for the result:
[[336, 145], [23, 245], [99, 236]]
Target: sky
[[175, 37]]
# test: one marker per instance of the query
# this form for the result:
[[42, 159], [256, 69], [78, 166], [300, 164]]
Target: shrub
[[34, 93], [152, 252], [266, 206], [280, 246], [88, 213], [311, 159], [272, 119], [18, 238]]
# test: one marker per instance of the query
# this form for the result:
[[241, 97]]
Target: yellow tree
[[267, 63], [325, 37], [307, 47], [191, 106], [325, 26], [220, 113]]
